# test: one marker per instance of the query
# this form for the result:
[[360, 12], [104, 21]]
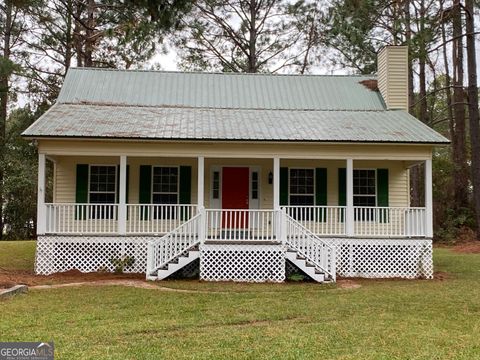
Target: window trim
[[103, 192], [364, 195], [170, 193], [314, 184]]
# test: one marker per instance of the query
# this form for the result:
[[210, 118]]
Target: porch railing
[[368, 221], [241, 225], [157, 218], [320, 220], [81, 218]]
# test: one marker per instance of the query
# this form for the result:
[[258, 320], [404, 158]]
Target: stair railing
[[307, 244], [170, 246]]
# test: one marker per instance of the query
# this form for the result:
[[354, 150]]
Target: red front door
[[235, 192]]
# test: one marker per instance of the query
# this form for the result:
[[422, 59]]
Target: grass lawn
[[388, 319]]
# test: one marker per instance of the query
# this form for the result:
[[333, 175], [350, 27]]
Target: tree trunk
[[458, 140], [77, 35], [473, 113], [89, 33], [4, 88], [252, 41]]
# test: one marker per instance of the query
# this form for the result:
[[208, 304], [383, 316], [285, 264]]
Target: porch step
[[176, 264], [307, 267]]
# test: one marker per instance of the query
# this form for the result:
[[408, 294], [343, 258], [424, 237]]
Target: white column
[[122, 200], [276, 183], [41, 208], [428, 199], [201, 183], [350, 216]]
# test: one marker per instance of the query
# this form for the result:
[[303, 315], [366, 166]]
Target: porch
[[275, 205]]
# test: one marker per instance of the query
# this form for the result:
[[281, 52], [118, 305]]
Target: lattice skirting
[[89, 253], [249, 263], [384, 258]]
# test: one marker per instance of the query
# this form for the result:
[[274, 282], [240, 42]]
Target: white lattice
[[89, 253], [250, 263], [384, 258]]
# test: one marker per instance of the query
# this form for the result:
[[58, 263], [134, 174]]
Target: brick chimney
[[392, 76]]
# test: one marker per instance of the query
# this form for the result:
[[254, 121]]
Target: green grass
[[387, 319], [17, 255]]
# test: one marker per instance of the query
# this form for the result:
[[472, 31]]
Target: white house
[[239, 174]]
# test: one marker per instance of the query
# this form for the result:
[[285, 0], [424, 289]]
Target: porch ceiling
[[184, 123]]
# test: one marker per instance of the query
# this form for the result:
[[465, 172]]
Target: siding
[[64, 191], [393, 76]]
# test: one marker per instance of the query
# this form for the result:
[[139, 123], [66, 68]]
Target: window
[[364, 188], [216, 185], [102, 190], [165, 191], [254, 185], [364, 193], [103, 184], [301, 188], [165, 185]]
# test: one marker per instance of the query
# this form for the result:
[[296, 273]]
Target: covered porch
[[237, 198]]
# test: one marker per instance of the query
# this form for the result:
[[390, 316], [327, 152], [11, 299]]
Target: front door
[[235, 191]]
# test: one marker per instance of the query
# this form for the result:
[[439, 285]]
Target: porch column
[[122, 201], [41, 208], [428, 199], [350, 216], [276, 183], [201, 183]]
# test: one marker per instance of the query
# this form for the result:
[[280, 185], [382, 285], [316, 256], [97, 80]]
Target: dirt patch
[[467, 248], [441, 275], [72, 276], [348, 284]]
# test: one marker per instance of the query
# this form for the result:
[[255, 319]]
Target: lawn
[[388, 319]]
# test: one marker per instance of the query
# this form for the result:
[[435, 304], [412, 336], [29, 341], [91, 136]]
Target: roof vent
[[393, 76]]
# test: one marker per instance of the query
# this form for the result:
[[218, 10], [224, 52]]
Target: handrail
[[310, 246], [167, 248]]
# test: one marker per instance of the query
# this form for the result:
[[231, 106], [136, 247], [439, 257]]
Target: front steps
[[308, 268], [176, 264]]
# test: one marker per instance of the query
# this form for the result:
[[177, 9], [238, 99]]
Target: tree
[[247, 35], [473, 113]]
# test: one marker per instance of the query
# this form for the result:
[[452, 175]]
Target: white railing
[[157, 218], [321, 220], [389, 221], [241, 225], [160, 252], [81, 218], [307, 244]]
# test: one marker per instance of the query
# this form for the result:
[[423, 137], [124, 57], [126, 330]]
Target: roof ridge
[[218, 72], [90, 103]]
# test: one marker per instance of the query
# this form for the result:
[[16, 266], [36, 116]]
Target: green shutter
[[145, 190], [185, 196], [382, 192], [81, 190], [127, 184], [283, 186], [342, 190], [321, 192]]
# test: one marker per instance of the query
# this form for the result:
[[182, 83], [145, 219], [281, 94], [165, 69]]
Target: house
[[242, 175]]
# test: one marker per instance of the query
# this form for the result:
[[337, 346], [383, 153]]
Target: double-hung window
[[364, 193], [102, 190], [301, 187], [165, 190]]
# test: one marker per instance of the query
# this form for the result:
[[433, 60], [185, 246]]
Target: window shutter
[[283, 186], [81, 190], [382, 192], [145, 190], [321, 192], [342, 190], [185, 191]]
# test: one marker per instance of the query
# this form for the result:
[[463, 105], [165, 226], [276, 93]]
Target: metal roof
[[182, 123], [218, 90]]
